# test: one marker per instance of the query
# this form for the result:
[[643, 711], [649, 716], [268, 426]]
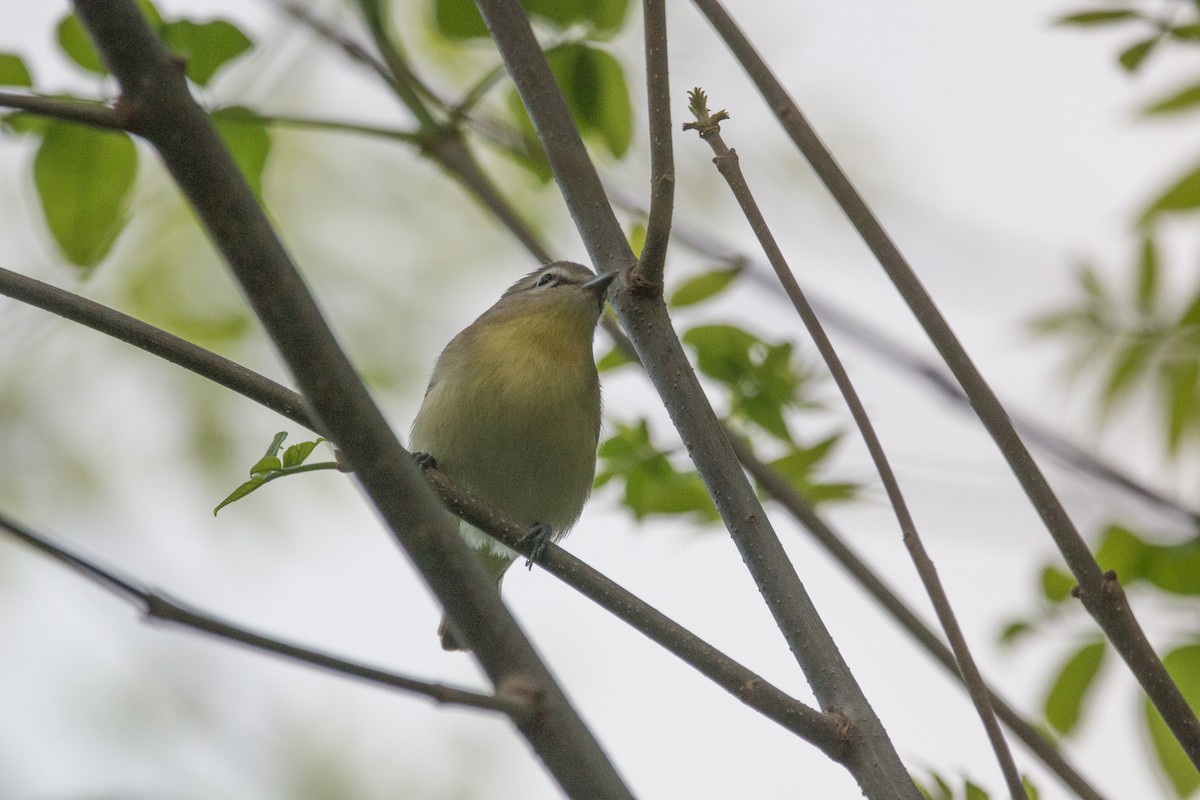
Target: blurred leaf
[[722, 351], [1056, 584], [296, 455], [973, 792], [1181, 100], [1097, 17], [460, 19], [1147, 275], [84, 178], [1131, 58], [1171, 568], [1183, 404], [652, 483], [1064, 703], [637, 238], [1123, 552], [1183, 665], [205, 46], [593, 83], [1014, 631], [702, 287], [13, 71], [1184, 195], [248, 139], [612, 359], [799, 468], [1187, 33]]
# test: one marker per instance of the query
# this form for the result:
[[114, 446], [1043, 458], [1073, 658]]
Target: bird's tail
[[496, 565]]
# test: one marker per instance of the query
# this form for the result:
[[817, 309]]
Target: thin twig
[[93, 114], [649, 272], [156, 606], [727, 163], [874, 762], [1100, 592]]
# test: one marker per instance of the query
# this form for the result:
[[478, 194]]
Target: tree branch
[[649, 270], [873, 760], [93, 114], [727, 163], [158, 607], [1100, 592], [155, 90]]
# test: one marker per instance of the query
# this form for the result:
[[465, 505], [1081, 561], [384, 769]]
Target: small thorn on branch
[[705, 123]]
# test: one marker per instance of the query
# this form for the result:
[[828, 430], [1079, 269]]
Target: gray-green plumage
[[512, 411]]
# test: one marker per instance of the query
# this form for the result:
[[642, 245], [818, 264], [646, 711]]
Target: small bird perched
[[512, 412]]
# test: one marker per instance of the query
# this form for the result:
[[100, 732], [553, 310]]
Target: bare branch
[[662, 163], [1100, 592], [727, 163], [92, 114], [158, 607]]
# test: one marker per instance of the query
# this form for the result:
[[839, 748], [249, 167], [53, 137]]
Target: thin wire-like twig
[[1100, 592], [727, 163], [158, 607], [649, 271]]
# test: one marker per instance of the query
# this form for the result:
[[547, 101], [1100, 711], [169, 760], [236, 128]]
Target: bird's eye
[[546, 279]]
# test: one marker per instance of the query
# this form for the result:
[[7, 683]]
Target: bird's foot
[[539, 533], [425, 461]]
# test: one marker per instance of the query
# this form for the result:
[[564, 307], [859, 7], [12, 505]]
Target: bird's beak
[[599, 284]]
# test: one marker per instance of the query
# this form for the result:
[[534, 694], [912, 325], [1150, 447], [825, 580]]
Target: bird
[[512, 410]]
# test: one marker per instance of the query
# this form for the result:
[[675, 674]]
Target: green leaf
[[652, 483], [205, 46], [84, 178], [1184, 195], [1180, 100], [296, 455], [614, 358], [1131, 58], [799, 468], [1183, 401], [458, 19], [637, 238], [1064, 703], [973, 792], [1123, 552], [13, 71], [722, 351], [702, 287], [74, 41], [603, 15], [241, 491], [1183, 665], [593, 83], [1097, 17], [1147, 276], [1015, 631], [1056, 584], [1187, 33], [248, 140]]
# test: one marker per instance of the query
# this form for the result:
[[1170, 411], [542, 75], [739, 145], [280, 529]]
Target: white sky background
[[994, 147]]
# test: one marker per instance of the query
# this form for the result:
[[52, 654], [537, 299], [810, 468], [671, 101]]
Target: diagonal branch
[[158, 607], [727, 163], [1100, 592], [155, 90]]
